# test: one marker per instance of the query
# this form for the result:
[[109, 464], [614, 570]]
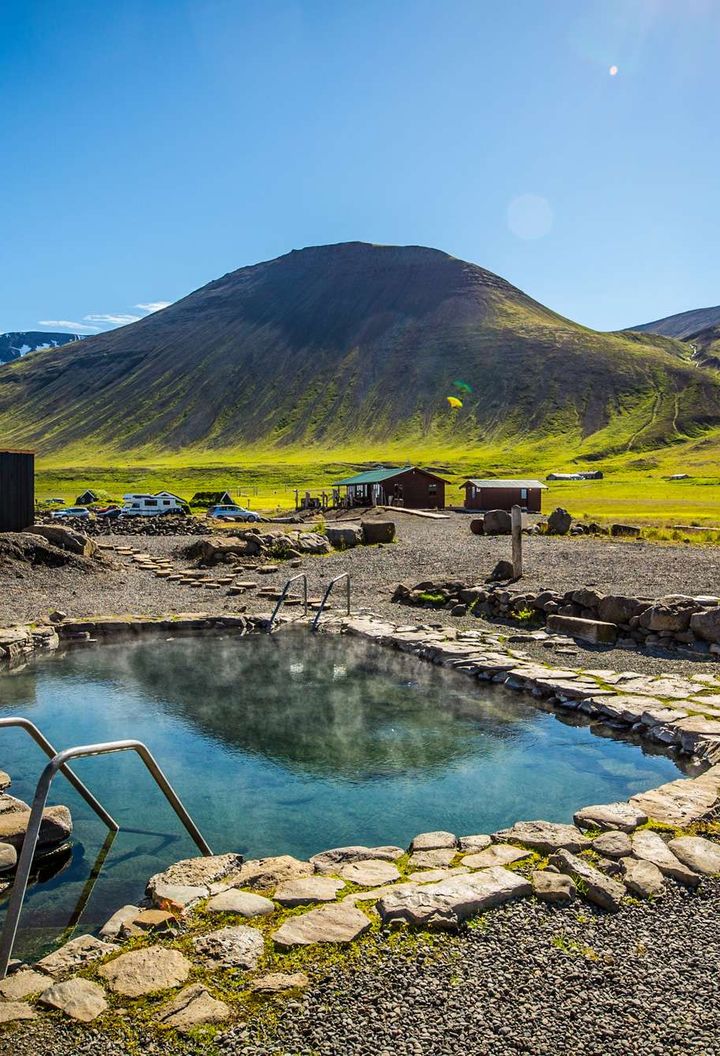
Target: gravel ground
[[529, 979]]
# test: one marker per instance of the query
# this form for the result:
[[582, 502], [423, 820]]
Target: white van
[[151, 505]]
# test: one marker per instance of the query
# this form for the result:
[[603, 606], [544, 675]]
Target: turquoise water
[[288, 744]]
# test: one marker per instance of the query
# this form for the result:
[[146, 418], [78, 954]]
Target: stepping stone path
[[649, 846], [266, 873], [372, 873], [146, 971], [243, 903], [193, 1007], [78, 998], [22, 984], [448, 903], [234, 947], [77, 953], [309, 889], [336, 923], [328, 861], [496, 854], [544, 836]]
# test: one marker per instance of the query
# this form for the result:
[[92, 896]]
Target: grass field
[[635, 487]]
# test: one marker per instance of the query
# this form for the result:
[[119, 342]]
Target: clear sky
[[149, 146]]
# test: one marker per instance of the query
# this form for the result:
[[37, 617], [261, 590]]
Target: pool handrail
[[326, 595], [283, 596], [27, 853]]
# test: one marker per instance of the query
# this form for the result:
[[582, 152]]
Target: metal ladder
[[58, 764], [283, 596], [326, 595]]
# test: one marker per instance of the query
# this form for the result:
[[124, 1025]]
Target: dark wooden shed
[[406, 486], [503, 494], [17, 490]]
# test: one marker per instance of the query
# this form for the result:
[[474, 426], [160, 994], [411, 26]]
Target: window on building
[[523, 493], [432, 489]]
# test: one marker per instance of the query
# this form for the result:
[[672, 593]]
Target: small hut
[[503, 494]]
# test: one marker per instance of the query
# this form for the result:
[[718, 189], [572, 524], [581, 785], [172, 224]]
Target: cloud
[[66, 324], [112, 320], [154, 306]]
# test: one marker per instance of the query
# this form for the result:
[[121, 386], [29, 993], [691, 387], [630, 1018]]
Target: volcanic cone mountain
[[353, 344]]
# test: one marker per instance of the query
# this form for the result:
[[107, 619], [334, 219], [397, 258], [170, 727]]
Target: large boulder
[[447, 904], [65, 539], [497, 522], [706, 624], [343, 536], [378, 531], [624, 530], [559, 521], [56, 827], [669, 614], [617, 608]]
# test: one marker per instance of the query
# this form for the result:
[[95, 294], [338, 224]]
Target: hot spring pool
[[287, 744]]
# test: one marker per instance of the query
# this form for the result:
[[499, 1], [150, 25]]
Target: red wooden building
[[503, 494], [408, 486]]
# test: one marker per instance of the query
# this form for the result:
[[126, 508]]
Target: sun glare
[[613, 71]]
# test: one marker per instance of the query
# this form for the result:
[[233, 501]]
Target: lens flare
[[613, 71]]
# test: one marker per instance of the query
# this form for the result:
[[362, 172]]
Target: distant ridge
[[17, 343], [355, 344], [683, 325]]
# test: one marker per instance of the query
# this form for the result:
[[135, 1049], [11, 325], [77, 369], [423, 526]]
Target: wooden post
[[516, 523]]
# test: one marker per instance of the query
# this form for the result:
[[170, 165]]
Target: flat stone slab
[[436, 859], [682, 802], [649, 846], [308, 889], [623, 816], [556, 888], [187, 881], [55, 827], [328, 861], [264, 873], [434, 876], [241, 902], [602, 890], [77, 953], [595, 631], [372, 873], [433, 841], [22, 984], [80, 999], [496, 854], [613, 844], [147, 971], [278, 982], [234, 947], [336, 923], [5, 780], [193, 1007], [700, 855], [10, 1011], [544, 836], [446, 904], [112, 928], [642, 878], [474, 843]]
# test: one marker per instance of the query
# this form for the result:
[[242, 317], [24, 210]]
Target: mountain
[[684, 324], [17, 343], [355, 344]]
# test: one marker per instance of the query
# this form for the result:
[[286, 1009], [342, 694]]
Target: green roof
[[372, 476]]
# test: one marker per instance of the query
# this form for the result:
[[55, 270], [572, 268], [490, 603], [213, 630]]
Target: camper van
[[152, 505]]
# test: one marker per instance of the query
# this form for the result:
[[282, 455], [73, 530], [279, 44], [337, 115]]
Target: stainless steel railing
[[283, 596], [326, 595]]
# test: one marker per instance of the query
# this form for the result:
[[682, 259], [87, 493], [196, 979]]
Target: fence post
[[516, 524]]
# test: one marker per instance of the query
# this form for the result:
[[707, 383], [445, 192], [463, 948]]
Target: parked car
[[233, 513], [109, 512], [81, 512]]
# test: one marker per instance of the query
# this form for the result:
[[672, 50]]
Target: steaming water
[[288, 744]]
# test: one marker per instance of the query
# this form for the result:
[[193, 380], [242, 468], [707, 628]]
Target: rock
[[112, 928], [477, 525], [593, 885], [344, 536], [77, 953], [431, 841], [558, 522], [432, 876], [617, 608], [265, 873], [336, 923], [328, 861], [496, 854], [595, 631], [544, 836], [650, 847], [80, 999], [65, 539], [308, 889], [193, 1007], [158, 921], [146, 971], [699, 854], [458, 610], [377, 531], [240, 902], [623, 816], [642, 878], [631, 530], [5, 780], [55, 827], [614, 844], [668, 614], [8, 857], [682, 802], [556, 888], [497, 522], [10, 1011], [277, 982], [234, 947], [706, 625], [22, 984], [503, 571], [372, 873], [192, 873], [57, 616], [432, 859], [475, 843], [446, 904]]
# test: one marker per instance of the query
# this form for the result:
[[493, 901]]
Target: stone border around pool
[[273, 906]]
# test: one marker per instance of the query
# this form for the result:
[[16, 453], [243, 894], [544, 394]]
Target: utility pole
[[516, 526]]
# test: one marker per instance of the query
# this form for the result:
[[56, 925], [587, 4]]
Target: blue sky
[[149, 146]]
